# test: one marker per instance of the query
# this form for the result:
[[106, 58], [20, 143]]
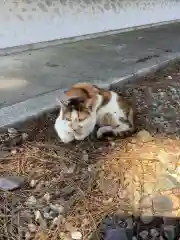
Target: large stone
[[144, 136], [116, 234], [147, 216], [168, 160], [166, 182], [162, 203], [10, 183], [145, 202], [57, 208]]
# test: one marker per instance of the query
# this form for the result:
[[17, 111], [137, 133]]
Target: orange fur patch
[[85, 91]]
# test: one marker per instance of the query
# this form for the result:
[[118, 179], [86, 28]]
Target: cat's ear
[[64, 100], [74, 100]]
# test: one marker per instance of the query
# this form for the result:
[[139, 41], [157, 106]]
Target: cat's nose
[[75, 128]]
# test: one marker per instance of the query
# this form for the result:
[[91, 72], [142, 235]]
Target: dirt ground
[[68, 189]]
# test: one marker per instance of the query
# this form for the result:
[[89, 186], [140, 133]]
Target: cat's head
[[80, 98], [78, 108]]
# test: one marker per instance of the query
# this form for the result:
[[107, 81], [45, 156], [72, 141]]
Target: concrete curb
[[23, 111], [26, 110], [144, 71]]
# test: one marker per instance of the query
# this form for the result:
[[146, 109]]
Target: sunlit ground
[[9, 84]]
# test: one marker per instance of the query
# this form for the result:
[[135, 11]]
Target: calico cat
[[85, 105]]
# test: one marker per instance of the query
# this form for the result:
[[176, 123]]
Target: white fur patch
[[64, 132], [113, 109], [81, 129], [108, 118]]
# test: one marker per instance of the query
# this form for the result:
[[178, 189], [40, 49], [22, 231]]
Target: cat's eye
[[67, 119], [67, 116]]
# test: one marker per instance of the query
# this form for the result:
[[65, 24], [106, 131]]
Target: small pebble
[[57, 221], [25, 136], [57, 208], [47, 197], [169, 77], [40, 220], [147, 217], [85, 156], [13, 151], [121, 214], [122, 194], [76, 235], [53, 214], [37, 215], [144, 136], [12, 131], [31, 201], [85, 222], [112, 144], [154, 232], [134, 238], [11, 183], [71, 169], [47, 216], [21, 149], [46, 183], [33, 183], [28, 236], [63, 236], [145, 202], [108, 221], [47, 209], [129, 223], [90, 168], [32, 228], [108, 201], [144, 234]]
